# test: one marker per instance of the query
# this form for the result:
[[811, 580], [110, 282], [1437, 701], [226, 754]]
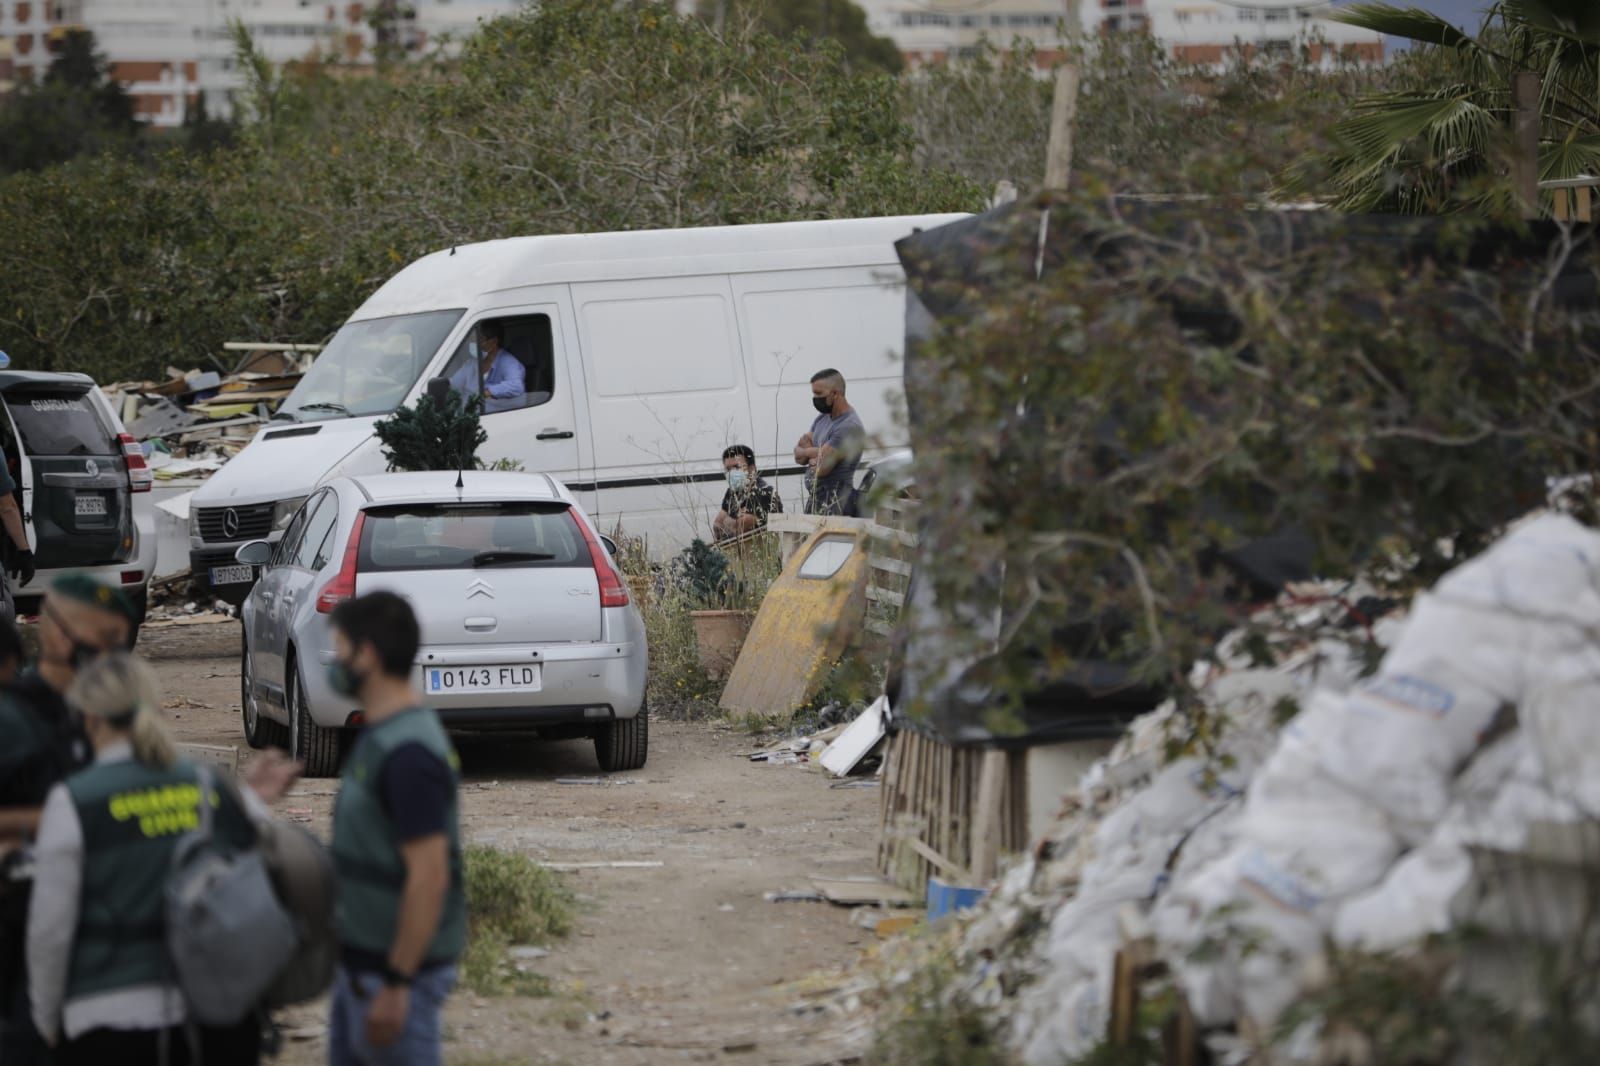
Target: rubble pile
[[196, 420], [1366, 808]]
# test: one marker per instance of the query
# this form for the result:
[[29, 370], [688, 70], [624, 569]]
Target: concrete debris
[[1367, 810]]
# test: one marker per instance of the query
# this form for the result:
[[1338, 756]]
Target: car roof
[[477, 486], [9, 378]]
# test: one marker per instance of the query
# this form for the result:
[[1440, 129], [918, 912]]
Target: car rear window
[[456, 536], [60, 422]]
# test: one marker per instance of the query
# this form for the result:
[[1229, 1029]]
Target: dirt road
[[679, 963]]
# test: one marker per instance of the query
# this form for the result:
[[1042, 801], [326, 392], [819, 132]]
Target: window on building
[[1183, 18], [1249, 14], [1277, 15]]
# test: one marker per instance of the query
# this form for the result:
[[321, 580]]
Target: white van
[[646, 354]]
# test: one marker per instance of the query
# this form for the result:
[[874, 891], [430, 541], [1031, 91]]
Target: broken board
[[864, 892]]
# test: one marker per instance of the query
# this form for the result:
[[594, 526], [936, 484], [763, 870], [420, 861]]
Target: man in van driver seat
[[503, 375]]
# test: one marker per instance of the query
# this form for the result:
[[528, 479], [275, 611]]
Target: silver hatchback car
[[526, 623]]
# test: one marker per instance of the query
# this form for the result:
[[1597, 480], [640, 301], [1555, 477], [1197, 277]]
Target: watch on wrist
[[393, 977]]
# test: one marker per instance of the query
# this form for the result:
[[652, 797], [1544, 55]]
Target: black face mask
[[822, 404], [83, 654]]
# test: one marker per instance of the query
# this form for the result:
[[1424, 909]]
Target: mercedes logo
[[91, 468], [230, 523], [480, 587]]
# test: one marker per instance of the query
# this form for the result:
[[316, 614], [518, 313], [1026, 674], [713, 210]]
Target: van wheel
[[624, 743], [259, 730], [314, 746]]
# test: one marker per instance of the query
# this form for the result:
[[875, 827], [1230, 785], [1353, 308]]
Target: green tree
[[1442, 142], [814, 21], [77, 109], [433, 436]]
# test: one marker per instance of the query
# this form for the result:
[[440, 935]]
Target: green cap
[[84, 589]]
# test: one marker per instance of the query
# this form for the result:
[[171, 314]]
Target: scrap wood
[[861, 891]]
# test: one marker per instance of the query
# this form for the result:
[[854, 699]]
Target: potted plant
[[719, 626]]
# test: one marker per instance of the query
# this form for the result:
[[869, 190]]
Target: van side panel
[[666, 396]]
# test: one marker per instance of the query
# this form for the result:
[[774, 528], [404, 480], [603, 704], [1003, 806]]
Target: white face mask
[[736, 479]]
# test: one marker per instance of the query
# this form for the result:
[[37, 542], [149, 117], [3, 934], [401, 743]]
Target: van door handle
[[555, 434]]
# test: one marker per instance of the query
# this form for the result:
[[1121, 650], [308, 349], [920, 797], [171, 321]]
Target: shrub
[[510, 900]]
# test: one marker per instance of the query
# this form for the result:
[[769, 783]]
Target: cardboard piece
[[866, 891]]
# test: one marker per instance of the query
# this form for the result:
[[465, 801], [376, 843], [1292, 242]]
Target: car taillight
[[613, 590], [140, 477], [343, 585]]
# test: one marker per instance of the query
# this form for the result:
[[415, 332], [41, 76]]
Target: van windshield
[[368, 367]]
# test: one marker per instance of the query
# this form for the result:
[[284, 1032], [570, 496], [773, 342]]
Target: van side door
[[667, 396], [537, 425]]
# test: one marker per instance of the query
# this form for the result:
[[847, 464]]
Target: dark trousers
[[20, 1044], [238, 1045]]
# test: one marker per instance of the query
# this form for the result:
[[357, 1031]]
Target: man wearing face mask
[[397, 847], [41, 743], [831, 452], [749, 499]]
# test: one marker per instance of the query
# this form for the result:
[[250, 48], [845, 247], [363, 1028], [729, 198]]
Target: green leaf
[[1411, 23]]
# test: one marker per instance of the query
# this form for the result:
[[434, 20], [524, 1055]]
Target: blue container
[[945, 898]]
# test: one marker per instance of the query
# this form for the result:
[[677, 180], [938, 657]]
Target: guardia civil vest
[[132, 817], [366, 852]]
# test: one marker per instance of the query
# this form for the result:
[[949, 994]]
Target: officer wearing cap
[[41, 743]]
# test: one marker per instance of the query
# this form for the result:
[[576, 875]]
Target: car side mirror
[[256, 553], [438, 390], [611, 545]]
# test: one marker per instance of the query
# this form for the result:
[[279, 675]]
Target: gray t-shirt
[[849, 437]]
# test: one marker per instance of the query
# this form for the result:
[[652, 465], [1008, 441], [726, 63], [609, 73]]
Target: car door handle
[[555, 434], [482, 624]]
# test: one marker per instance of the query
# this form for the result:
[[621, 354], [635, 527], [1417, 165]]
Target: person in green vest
[[41, 742], [102, 984], [397, 847]]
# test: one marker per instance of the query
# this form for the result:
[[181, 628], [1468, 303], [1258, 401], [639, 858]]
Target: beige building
[[168, 52]]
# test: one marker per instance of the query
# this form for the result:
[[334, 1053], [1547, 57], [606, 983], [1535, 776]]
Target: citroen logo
[[230, 523], [480, 587], [91, 468]]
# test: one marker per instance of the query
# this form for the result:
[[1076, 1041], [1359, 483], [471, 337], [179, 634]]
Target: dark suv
[[77, 471]]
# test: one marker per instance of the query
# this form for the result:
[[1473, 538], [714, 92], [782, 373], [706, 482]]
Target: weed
[[927, 1023], [510, 900]]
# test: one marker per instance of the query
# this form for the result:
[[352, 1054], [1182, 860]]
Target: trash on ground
[[857, 892], [562, 867], [862, 735]]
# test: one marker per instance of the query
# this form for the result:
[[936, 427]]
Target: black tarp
[[954, 269]]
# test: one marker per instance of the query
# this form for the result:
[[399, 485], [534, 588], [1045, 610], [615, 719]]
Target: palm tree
[[1442, 142]]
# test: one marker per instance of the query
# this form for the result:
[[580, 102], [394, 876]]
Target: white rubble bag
[[1360, 779]]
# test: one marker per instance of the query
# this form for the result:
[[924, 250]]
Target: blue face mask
[[736, 479]]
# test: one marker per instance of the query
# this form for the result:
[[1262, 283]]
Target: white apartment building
[[933, 31], [1198, 31], [168, 52]]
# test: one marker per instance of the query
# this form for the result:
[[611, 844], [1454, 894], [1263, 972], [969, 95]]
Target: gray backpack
[[227, 934]]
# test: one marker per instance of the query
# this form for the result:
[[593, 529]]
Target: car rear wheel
[[314, 746], [623, 744], [259, 730]]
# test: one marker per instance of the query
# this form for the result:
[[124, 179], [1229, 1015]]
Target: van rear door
[[79, 504]]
